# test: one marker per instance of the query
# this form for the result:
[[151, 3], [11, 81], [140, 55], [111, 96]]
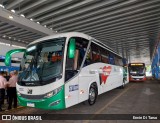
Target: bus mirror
[[9, 55], [72, 47]]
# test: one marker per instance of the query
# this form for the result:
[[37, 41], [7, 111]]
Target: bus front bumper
[[55, 102], [131, 79]]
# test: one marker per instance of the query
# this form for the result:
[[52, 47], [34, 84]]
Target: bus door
[[73, 64]]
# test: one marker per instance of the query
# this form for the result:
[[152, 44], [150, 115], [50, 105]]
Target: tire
[[93, 93], [123, 84]]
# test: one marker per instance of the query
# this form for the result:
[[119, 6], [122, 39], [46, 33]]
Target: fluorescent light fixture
[[13, 11], [22, 15], [18, 46], [10, 17], [38, 22], [31, 19], [8, 45], [1, 6], [31, 48], [2, 43], [4, 36]]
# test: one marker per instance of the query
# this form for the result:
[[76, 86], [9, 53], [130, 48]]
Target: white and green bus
[[65, 69]]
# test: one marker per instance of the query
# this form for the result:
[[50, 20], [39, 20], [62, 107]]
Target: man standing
[[2, 89], [12, 89]]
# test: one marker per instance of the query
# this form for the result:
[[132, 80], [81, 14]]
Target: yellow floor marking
[[108, 104]]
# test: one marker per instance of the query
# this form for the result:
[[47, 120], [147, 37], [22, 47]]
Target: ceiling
[[130, 27]]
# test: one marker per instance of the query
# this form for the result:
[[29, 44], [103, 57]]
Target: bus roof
[[74, 34], [68, 34]]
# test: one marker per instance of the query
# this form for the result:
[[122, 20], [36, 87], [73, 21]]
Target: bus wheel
[[92, 95], [123, 84]]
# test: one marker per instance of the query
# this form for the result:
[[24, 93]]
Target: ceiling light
[[56, 31], [38, 22], [22, 15], [14, 38], [19, 40], [31, 19], [4, 36], [13, 11], [9, 37], [45, 26], [1, 6], [50, 28], [10, 17]]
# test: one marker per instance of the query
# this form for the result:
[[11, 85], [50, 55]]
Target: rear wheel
[[92, 95], [123, 84]]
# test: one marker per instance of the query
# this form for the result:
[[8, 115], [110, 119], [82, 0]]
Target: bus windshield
[[42, 62], [137, 70]]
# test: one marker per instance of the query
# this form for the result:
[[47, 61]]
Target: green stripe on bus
[[46, 103]]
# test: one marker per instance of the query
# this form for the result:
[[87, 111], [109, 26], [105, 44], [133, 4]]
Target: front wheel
[[92, 95]]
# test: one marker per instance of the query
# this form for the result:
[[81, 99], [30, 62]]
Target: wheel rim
[[92, 95]]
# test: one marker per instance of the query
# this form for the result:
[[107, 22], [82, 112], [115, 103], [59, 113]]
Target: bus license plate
[[30, 104]]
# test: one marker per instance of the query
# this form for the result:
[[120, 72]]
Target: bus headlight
[[19, 94], [52, 93]]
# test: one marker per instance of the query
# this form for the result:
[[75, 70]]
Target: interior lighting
[[4, 36], [10, 17], [22, 15], [31, 19], [38, 22], [45, 26], [1, 6], [13, 11]]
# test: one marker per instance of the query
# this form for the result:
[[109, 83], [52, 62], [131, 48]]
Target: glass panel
[[43, 61], [73, 65]]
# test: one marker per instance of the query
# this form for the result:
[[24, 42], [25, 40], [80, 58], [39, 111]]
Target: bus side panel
[[115, 78], [71, 92], [106, 76], [85, 80]]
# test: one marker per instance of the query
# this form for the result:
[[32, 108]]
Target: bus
[[65, 69], [137, 72]]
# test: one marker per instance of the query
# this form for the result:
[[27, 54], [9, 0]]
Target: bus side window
[[95, 53], [111, 58], [73, 64], [88, 60], [117, 60], [104, 56]]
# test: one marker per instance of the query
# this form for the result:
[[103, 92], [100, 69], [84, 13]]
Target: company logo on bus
[[29, 91], [105, 73]]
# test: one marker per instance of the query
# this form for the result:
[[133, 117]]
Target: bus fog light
[[55, 103]]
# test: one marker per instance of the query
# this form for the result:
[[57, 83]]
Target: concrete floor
[[136, 98]]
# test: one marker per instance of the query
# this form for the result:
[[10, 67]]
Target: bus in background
[[137, 72], [65, 69]]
